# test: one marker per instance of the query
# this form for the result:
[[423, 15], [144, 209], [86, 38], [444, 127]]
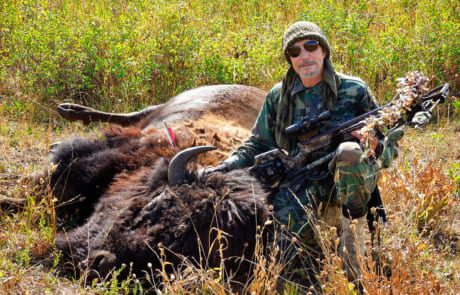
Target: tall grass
[[121, 55]]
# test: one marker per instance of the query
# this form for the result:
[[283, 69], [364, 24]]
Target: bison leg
[[76, 112]]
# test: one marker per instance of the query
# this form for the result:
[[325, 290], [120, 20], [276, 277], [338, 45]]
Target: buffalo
[[137, 202]]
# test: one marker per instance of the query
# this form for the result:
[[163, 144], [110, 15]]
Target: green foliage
[[456, 105], [14, 107], [437, 137], [23, 257], [125, 54], [121, 55], [454, 172]]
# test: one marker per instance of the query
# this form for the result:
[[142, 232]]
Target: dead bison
[[232, 104], [136, 201]]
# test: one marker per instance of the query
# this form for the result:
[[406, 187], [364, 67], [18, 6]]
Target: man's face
[[308, 64]]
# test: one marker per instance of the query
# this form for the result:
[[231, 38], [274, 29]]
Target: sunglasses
[[310, 46]]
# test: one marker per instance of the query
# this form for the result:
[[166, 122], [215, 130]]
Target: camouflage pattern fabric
[[296, 204], [297, 208], [351, 186], [300, 203], [355, 185], [353, 99]]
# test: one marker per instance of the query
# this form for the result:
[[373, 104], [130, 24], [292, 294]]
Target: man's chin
[[309, 75]]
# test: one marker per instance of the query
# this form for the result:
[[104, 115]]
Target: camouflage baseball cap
[[304, 30]]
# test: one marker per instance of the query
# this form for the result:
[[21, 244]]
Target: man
[[342, 188]]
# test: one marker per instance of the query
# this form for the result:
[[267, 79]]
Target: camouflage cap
[[304, 30]]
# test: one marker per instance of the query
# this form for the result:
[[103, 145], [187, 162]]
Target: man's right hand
[[209, 170]]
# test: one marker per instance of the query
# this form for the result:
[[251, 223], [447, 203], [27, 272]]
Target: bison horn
[[176, 169]]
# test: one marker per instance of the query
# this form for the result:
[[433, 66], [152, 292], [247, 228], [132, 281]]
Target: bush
[[122, 55]]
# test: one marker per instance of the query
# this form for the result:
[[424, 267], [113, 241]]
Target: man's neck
[[310, 82]]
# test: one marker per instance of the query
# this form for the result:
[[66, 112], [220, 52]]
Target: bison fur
[[132, 213]]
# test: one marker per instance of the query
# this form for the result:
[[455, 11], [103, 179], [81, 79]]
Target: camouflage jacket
[[353, 98]]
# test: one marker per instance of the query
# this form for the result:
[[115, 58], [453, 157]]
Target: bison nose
[[177, 166]]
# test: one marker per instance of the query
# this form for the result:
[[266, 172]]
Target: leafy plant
[[122, 56]]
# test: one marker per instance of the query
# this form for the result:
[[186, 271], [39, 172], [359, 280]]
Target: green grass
[[122, 55]]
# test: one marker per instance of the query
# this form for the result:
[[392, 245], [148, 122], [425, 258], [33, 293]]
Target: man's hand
[[394, 136], [219, 168], [369, 141], [209, 170]]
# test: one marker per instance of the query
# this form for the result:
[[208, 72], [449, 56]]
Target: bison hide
[[132, 211]]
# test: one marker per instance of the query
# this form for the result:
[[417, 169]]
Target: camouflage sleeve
[[389, 153], [367, 100], [390, 147], [262, 138]]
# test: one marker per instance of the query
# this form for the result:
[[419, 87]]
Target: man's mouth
[[308, 64]]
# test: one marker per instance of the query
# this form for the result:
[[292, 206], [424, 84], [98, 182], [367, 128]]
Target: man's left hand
[[394, 136], [369, 141]]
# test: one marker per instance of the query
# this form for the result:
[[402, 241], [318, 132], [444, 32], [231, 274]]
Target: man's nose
[[304, 53]]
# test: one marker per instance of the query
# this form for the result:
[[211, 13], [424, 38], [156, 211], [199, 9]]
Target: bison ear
[[178, 164]]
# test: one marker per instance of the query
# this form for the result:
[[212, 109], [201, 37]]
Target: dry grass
[[106, 53], [420, 241]]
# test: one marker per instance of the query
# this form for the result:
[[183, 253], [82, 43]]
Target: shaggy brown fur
[[117, 186], [84, 168], [124, 177]]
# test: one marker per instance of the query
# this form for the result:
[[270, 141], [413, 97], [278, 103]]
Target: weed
[[121, 55]]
